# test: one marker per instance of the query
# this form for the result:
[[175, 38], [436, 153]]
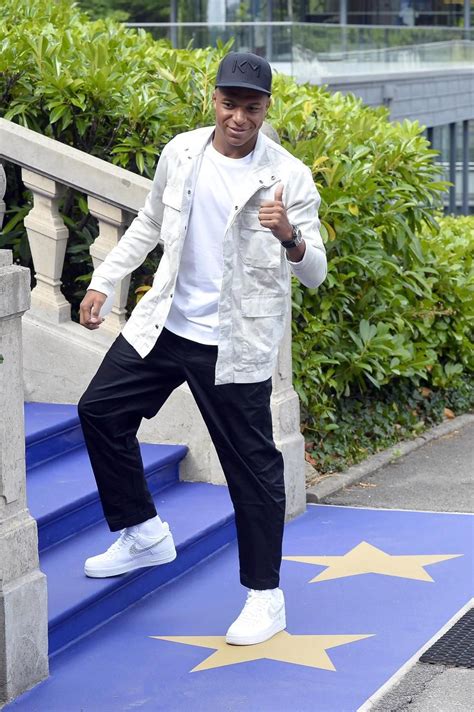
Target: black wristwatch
[[296, 238]]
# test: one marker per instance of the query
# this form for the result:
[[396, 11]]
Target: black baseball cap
[[246, 70]]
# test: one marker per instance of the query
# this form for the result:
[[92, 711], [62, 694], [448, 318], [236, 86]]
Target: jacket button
[[236, 207], [272, 177], [157, 326], [189, 192]]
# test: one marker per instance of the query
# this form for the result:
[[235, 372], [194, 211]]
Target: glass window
[[448, 13], [441, 142], [390, 12]]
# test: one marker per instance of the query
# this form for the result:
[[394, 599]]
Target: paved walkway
[[437, 477], [371, 575]]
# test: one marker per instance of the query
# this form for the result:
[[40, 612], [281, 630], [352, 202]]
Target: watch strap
[[288, 244], [296, 239]]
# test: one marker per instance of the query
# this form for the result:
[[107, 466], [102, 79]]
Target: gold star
[[309, 650], [367, 559]]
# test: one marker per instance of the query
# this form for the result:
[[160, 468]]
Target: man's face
[[239, 116]]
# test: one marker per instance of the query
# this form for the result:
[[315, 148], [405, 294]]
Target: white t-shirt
[[194, 311]]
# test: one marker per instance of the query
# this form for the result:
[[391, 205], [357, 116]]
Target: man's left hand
[[272, 214]]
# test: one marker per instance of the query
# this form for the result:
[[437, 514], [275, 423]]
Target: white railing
[[47, 168]]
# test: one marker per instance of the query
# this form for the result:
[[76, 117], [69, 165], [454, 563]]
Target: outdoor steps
[[62, 497], [62, 494]]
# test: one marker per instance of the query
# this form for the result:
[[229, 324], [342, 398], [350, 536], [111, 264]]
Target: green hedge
[[398, 300]]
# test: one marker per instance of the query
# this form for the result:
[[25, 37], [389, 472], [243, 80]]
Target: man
[[234, 211]]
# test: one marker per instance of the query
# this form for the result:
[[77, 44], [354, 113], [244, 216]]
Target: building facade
[[408, 13]]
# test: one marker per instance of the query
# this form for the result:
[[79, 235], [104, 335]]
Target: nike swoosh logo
[[136, 552]]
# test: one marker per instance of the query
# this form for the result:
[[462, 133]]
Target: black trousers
[[127, 388]]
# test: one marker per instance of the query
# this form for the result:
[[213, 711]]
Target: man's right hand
[[90, 309]]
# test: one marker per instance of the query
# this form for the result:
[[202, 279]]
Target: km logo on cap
[[242, 66]]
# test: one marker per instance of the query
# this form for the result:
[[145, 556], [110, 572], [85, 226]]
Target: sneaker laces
[[126, 537], [255, 605]]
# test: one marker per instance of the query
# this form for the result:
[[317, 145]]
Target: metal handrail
[[290, 23]]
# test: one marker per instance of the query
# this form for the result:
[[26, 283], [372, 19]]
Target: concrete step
[[51, 429], [201, 519], [63, 498], [62, 494]]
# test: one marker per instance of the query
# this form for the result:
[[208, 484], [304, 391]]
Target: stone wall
[[433, 97]]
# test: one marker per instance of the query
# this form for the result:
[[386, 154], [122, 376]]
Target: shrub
[[398, 300], [105, 89], [109, 91], [445, 316], [397, 303]]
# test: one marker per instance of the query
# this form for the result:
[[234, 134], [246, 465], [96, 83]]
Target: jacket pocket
[[263, 324], [172, 197], [258, 245], [171, 214]]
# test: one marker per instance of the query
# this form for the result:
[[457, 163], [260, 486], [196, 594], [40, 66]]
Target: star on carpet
[[308, 650], [367, 559]]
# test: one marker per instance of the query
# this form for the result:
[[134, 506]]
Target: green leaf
[[366, 331], [57, 112]]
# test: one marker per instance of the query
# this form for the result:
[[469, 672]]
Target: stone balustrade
[[48, 167], [71, 354], [23, 596]]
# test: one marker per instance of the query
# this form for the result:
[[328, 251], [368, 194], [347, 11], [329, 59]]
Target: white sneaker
[[132, 551], [262, 617]]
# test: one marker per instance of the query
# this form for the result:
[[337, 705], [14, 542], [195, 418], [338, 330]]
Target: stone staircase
[[63, 498]]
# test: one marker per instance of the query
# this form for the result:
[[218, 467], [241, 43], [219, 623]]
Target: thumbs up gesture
[[272, 214]]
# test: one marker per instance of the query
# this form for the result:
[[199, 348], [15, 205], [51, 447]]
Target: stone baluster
[[286, 425], [286, 411], [112, 224], [23, 594], [3, 187], [48, 237]]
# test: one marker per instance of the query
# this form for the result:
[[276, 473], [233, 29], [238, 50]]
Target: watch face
[[296, 236]]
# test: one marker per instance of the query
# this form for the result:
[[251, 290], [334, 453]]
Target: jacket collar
[[264, 172]]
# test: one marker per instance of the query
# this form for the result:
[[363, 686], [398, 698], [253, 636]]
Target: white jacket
[[255, 284]]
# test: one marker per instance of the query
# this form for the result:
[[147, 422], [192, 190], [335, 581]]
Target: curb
[[330, 484]]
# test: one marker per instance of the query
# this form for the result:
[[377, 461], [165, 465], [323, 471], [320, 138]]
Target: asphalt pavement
[[435, 476]]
